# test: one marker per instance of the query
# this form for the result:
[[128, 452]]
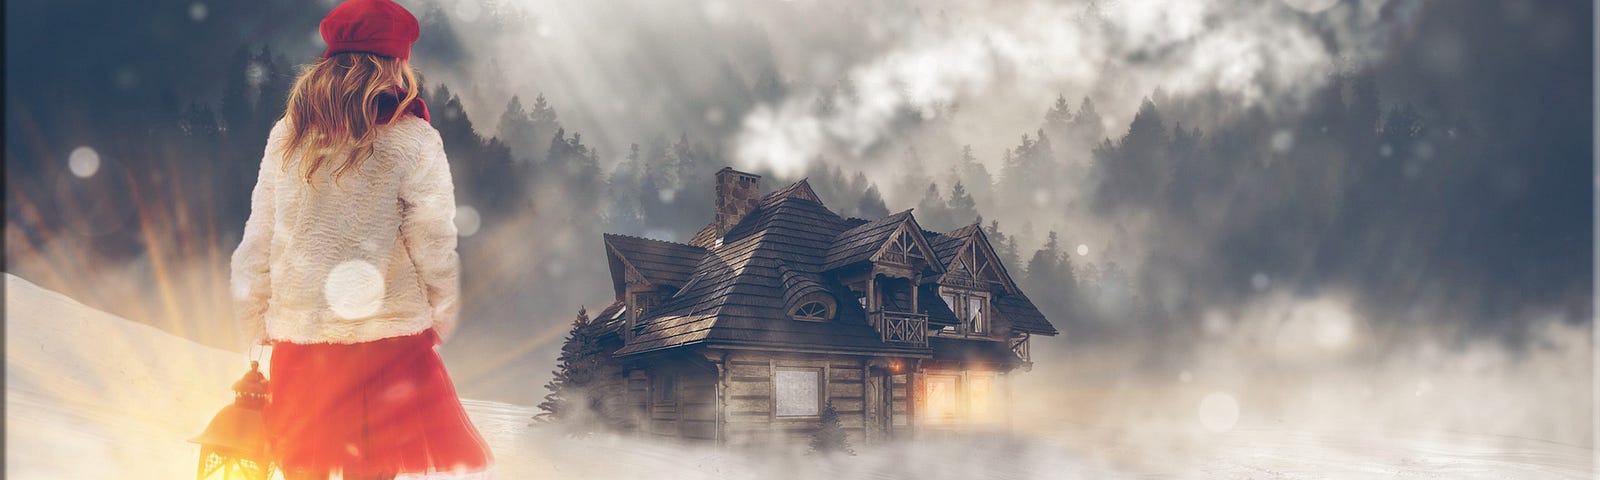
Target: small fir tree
[[575, 384], [829, 437]]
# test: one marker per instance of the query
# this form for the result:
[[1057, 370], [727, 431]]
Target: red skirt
[[375, 408]]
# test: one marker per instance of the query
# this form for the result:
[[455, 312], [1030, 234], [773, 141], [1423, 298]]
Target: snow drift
[[91, 395]]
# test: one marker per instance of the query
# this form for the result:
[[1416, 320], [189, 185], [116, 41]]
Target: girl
[[348, 266]]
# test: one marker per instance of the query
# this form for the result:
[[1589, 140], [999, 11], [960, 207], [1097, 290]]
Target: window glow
[[941, 399], [979, 397]]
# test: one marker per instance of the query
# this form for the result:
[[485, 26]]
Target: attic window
[[814, 310]]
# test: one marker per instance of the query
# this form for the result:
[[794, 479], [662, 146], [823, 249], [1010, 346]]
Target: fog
[[1281, 220]]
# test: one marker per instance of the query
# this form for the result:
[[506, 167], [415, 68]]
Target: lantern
[[234, 445]]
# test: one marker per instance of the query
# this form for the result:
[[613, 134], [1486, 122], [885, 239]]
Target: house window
[[942, 398], [950, 301], [970, 309], [817, 310], [975, 315], [799, 392], [980, 396], [666, 388], [816, 307]]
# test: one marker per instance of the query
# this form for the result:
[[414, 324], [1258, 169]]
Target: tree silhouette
[[575, 389], [829, 437]]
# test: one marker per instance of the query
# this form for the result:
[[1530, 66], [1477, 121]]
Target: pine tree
[[962, 206], [575, 393], [871, 204], [829, 436], [1060, 115], [975, 177], [1043, 266], [1086, 126], [516, 129], [932, 210]]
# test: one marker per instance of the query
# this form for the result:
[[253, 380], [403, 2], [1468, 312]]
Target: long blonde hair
[[334, 104]]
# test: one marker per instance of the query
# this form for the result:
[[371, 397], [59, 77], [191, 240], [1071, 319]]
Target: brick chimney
[[738, 193]]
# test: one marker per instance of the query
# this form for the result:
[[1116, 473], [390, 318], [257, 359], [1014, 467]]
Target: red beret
[[374, 26]]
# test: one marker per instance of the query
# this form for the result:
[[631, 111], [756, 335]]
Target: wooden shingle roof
[[929, 302], [946, 244], [738, 292], [859, 243], [662, 263], [797, 285], [1023, 314], [738, 287]]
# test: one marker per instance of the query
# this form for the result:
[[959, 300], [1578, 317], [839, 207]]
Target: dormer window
[[817, 308], [971, 309], [950, 301], [977, 320]]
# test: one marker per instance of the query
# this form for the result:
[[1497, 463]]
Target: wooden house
[[779, 307]]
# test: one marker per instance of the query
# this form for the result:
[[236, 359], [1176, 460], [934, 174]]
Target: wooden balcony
[[902, 328], [1019, 346]]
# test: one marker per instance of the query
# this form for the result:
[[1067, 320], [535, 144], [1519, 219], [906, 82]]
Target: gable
[[649, 263], [974, 264], [889, 239], [906, 246]]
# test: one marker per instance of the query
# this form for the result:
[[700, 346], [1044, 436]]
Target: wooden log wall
[[751, 413]]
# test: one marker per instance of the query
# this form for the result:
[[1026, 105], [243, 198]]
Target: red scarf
[[387, 104]]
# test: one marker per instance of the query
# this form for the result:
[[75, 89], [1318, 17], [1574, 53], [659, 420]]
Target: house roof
[[946, 244], [859, 243], [797, 285], [662, 263], [939, 314], [1023, 314], [739, 288]]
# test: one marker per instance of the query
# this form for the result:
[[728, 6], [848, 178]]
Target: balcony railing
[[1019, 346], [902, 328]]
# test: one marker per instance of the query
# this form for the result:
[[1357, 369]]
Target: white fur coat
[[370, 257]]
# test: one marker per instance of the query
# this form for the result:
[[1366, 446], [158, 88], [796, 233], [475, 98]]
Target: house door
[[879, 411]]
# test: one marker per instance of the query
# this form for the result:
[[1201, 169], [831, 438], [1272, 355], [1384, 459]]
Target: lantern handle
[[256, 351]]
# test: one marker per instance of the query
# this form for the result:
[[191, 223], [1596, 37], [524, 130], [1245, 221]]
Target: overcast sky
[[1484, 241]]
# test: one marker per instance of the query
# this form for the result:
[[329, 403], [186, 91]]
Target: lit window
[[941, 400], [799, 392], [979, 396]]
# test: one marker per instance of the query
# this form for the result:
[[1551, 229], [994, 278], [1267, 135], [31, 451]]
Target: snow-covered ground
[[93, 396]]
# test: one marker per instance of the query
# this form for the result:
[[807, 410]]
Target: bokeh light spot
[[1260, 281], [354, 289], [198, 11], [467, 221], [1282, 141], [83, 161]]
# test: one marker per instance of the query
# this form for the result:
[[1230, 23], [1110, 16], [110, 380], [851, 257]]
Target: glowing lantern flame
[[236, 441]]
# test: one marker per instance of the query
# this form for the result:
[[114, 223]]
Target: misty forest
[[1189, 203]]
